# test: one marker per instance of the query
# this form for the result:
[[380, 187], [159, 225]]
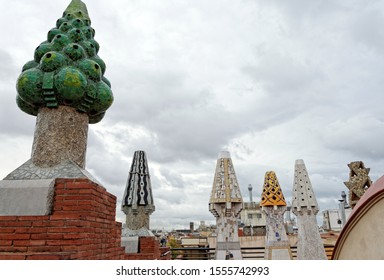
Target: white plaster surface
[[26, 197], [130, 243], [365, 241]]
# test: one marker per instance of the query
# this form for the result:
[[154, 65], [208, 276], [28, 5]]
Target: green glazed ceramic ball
[[70, 84], [29, 86]]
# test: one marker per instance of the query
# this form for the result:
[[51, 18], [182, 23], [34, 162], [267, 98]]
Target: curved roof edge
[[370, 197]]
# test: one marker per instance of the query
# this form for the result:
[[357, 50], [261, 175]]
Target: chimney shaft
[[250, 193]]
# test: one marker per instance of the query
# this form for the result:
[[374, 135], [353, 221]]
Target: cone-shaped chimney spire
[[66, 70], [77, 6], [137, 201], [302, 194], [272, 194]]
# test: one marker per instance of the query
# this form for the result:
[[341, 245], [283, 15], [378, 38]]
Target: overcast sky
[[269, 81]]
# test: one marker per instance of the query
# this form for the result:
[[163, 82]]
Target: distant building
[[253, 219], [332, 219], [289, 222], [335, 219], [202, 226], [192, 226]]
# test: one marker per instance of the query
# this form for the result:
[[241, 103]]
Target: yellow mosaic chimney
[[277, 246], [272, 194]]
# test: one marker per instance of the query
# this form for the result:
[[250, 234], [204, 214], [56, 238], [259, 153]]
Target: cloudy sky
[[269, 81]]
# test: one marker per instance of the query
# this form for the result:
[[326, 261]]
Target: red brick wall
[[149, 249], [82, 226]]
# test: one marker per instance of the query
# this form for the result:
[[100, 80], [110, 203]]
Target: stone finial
[[226, 204], [304, 206], [137, 201], [77, 6], [66, 69], [273, 204], [303, 197], [359, 181], [272, 194], [225, 186]]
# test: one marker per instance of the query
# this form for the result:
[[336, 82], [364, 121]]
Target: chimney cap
[[224, 154]]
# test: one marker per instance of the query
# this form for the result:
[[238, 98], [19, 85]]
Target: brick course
[[82, 226]]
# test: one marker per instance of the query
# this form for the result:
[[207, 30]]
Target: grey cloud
[[182, 124], [365, 28], [281, 74], [146, 94], [360, 135], [8, 67], [172, 178], [13, 121], [301, 12], [108, 165], [270, 81]]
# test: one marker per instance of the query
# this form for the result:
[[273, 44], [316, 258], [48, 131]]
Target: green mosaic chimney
[[66, 70]]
